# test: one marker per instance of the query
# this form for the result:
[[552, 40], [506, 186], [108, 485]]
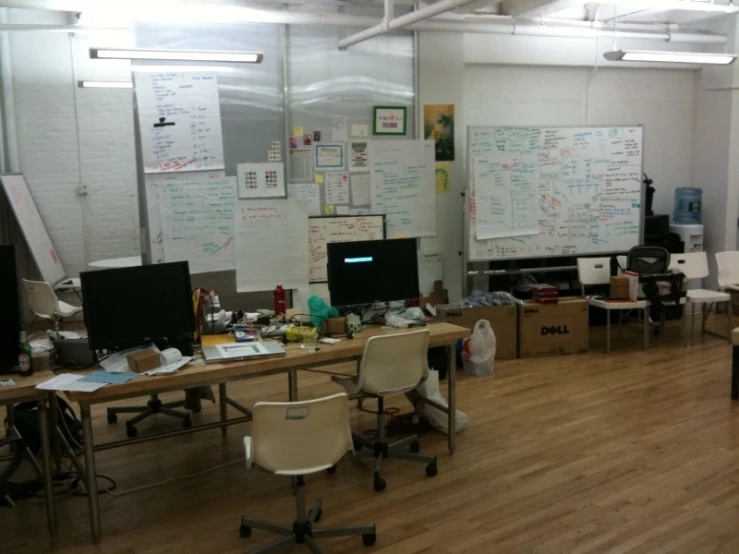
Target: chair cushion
[[67, 310], [703, 295]]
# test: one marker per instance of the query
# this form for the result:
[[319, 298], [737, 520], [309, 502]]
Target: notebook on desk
[[238, 351]]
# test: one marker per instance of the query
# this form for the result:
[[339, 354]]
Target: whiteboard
[[180, 121], [403, 186], [29, 220], [579, 187], [191, 218], [271, 244], [323, 230]]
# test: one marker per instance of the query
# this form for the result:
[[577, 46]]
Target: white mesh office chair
[[694, 265], [728, 270], [597, 271], [298, 439], [391, 365], [44, 303]]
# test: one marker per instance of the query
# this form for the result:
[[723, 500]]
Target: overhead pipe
[[390, 23]]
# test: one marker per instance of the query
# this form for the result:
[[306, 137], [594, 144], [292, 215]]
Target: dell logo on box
[[555, 330]]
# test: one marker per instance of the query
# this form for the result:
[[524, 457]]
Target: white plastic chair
[[597, 271], [728, 270], [391, 365], [694, 265], [298, 439], [44, 303]]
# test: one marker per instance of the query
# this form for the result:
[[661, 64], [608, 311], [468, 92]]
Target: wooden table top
[[24, 388], [192, 376]]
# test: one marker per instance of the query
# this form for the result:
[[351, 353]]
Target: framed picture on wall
[[389, 120], [261, 180]]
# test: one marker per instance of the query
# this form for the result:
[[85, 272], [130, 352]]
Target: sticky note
[[442, 178], [298, 131], [318, 178], [329, 209]]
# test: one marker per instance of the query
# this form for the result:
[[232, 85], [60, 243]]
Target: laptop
[[239, 351]]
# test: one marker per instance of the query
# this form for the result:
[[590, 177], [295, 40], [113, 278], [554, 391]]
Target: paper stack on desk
[[70, 382], [171, 360]]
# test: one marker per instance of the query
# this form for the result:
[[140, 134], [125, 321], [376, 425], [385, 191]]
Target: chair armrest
[[248, 451]]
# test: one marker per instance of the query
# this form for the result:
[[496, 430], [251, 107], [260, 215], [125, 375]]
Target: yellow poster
[[438, 125], [298, 131], [442, 178], [318, 178]]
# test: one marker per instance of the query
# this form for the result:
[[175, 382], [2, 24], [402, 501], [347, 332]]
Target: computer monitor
[[132, 306], [372, 271], [10, 314]]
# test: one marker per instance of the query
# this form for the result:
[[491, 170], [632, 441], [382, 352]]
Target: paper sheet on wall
[[329, 156], [342, 210], [429, 271], [156, 238], [358, 156], [301, 165], [360, 130], [337, 187], [338, 128], [261, 180], [271, 244], [196, 212], [180, 121], [402, 185], [360, 185], [308, 192]]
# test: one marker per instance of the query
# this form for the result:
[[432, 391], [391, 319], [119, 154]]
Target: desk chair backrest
[[298, 438], [648, 260], [394, 364], [41, 298], [693, 265], [728, 269], [593, 271]]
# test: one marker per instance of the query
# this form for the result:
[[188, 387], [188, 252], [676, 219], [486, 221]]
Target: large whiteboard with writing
[[323, 230], [403, 186], [553, 191], [191, 218], [29, 220], [179, 121]]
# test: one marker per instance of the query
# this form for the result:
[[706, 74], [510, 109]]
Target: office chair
[[44, 303], [298, 439], [391, 365]]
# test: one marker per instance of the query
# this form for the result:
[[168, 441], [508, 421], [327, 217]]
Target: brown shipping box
[[553, 329], [502, 319]]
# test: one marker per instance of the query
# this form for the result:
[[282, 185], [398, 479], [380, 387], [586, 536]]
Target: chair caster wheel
[[369, 539], [244, 531], [379, 484], [112, 418], [331, 470], [187, 423], [415, 447], [431, 469], [131, 431]]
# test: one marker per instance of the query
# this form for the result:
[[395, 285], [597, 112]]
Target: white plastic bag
[[438, 419], [478, 351]]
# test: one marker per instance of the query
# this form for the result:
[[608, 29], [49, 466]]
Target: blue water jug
[[688, 204]]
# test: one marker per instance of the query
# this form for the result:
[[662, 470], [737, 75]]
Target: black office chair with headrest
[[648, 260]]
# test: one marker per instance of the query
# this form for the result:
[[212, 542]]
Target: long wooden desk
[[442, 334], [24, 390]]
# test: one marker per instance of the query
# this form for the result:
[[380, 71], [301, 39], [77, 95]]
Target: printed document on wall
[[403, 186], [271, 244], [180, 121], [309, 192], [197, 219]]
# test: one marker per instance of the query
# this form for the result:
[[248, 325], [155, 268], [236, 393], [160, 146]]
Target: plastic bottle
[[688, 204], [279, 300], [25, 359]]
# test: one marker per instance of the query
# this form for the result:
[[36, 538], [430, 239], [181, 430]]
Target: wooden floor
[[628, 452]]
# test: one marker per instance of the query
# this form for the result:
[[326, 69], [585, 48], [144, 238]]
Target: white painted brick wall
[[49, 109]]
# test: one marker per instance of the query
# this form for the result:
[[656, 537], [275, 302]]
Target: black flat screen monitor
[[10, 315], [131, 306], [372, 271]]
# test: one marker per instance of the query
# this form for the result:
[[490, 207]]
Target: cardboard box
[[143, 360], [502, 319], [551, 330], [41, 361]]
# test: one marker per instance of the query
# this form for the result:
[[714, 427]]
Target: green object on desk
[[320, 311]]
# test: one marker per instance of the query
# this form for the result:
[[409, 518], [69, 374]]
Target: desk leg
[[43, 419], [222, 406], [56, 446], [292, 384], [452, 394], [735, 373], [91, 482]]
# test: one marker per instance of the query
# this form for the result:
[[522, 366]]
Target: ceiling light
[[175, 55], [104, 84], [669, 57]]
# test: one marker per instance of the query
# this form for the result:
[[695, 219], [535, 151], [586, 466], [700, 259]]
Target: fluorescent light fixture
[[669, 57], [105, 84], [175, 55]]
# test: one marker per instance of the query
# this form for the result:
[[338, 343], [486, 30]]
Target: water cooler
[[691, 235], [686, 222]]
